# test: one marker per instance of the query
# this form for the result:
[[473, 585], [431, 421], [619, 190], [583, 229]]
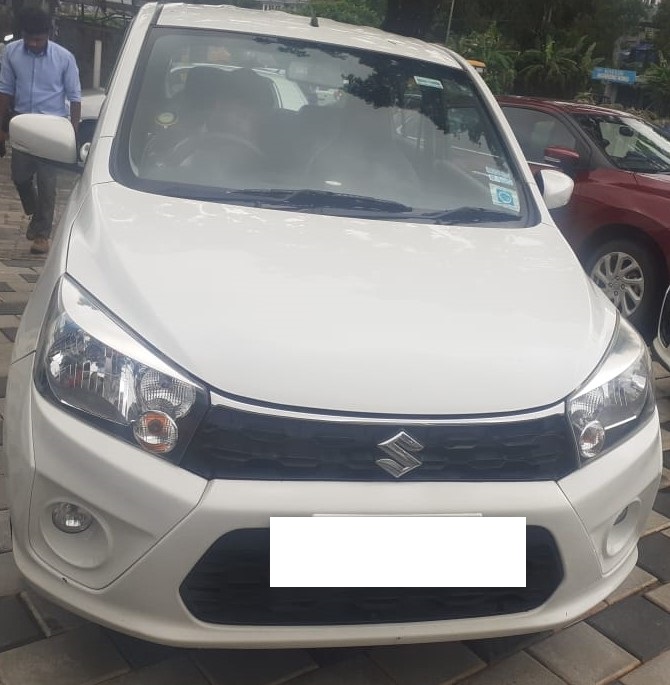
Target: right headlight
[[617, 399], [88, 363]]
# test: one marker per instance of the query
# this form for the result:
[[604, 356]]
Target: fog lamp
[[70, 518], [592, 439], [156, 432]]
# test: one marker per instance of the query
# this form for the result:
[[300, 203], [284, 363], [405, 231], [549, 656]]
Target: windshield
[[311, 127], [630, 143]]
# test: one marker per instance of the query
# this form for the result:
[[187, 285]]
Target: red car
[[618, 220]]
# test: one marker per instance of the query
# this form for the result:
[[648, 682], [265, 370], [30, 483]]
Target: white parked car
[[360, 307]]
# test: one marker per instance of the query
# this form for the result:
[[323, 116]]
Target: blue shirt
[[40, 83]]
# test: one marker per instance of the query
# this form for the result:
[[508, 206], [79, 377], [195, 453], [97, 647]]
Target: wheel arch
[[625, 231]]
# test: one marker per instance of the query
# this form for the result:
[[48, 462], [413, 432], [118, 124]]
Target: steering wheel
[[209, 143]]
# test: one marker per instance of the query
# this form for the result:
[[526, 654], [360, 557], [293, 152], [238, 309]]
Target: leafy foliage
[[558, 71], [662, 25], [549, 69], [349, 11], [491, 48], [657, 83]]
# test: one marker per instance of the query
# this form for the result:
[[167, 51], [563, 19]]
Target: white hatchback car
[[357, 305]]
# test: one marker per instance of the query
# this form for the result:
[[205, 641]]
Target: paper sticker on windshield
[[504, 197], [499, 176], [429, 82]]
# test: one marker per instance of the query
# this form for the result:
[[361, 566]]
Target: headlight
[[617, 399], [89, 364]]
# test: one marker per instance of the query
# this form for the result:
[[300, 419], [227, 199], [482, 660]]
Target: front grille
[[231, 585], [243, 445], [664, 323]]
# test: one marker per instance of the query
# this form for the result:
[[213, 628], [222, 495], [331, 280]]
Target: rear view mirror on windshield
[[315, 73]]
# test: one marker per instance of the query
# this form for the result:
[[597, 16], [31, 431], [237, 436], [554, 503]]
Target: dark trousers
[[36, 183]]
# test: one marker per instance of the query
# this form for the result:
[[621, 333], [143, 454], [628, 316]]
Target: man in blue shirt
[[38, 76]]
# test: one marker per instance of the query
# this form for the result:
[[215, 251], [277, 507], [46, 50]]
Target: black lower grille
[[664, 323], [231, 585], [243, 445]]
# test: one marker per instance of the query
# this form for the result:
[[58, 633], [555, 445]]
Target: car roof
[[285, 25], [570, 107]]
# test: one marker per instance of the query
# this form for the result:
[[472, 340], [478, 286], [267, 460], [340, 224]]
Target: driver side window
[[537, 131]]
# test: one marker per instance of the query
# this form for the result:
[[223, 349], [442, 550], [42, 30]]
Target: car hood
[[344, 314], [659, 182]]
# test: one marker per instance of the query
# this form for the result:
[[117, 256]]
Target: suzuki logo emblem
[[400, 460]]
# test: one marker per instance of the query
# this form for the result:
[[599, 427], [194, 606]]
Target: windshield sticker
[[429, 82], [499, 176], [504, 197]]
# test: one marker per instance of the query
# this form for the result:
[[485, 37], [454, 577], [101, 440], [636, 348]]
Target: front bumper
[[155, 521]]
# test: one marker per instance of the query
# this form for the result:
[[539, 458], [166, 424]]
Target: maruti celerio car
[[306, 272]]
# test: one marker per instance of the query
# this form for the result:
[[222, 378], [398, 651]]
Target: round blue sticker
[[504, 197]]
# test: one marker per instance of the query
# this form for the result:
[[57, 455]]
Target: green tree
[[411, 17], [606, 22], [361, 12], [662, 25], [527, 24], [490, 47], [586, 63], [657, 84], [549, 70]]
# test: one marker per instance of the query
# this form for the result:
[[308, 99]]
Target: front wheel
[[630, 275]]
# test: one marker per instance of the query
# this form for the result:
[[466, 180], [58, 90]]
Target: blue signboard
[[613, 75]]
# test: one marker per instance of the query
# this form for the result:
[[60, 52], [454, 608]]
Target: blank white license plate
[[397, 551]]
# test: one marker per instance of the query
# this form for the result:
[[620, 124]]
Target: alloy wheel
[[621, 278]]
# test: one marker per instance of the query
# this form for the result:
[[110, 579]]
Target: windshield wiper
[[322, 199], [358, 206], [471, 215]]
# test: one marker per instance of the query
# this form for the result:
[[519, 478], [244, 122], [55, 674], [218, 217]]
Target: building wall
[[79, 38]]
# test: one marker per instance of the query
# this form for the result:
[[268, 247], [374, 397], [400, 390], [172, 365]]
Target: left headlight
[[617, 399], [91, 365]]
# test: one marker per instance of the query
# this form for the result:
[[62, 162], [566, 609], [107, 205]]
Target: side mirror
[[45, 136], [556, 187], [564, 157], [85, 137]]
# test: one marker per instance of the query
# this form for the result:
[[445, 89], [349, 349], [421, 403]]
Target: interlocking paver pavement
[[432, 664], [80, 657], [520, 669], [656, 672], [497, 649], [177, 671], [58, 648], [660, 596], [237, 667], [583, 656], [11, 581], [5, 536], [357, 671], [637, 581], [16, 624], [656, 523], [51, 619], [636, 624], [654, 555]]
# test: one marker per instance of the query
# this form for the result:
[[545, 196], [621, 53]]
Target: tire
[[631, 276]]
